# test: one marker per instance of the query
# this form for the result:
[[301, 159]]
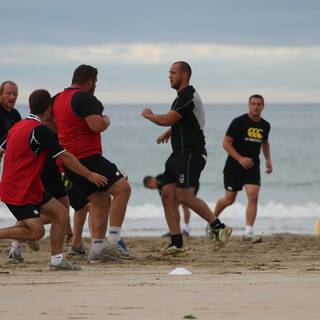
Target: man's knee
[[122, 187], [253, 197], [167, 195], [229, 200]]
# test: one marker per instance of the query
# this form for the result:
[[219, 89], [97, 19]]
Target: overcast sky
[[235, 47]]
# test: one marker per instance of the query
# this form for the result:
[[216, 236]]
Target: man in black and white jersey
[[184, 166]]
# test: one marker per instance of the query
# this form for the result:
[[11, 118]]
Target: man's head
[[85, 77], [8, 94], [40, 103], [256, 104], [179, 75], [150, 182]]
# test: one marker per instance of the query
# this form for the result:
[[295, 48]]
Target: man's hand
[[247, 163], [146, 113], [97, 179], [268, 166], [164, 138]]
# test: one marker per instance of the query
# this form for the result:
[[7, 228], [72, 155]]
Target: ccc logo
[[255, 133]]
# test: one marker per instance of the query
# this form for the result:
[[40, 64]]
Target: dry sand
[[276, 279]]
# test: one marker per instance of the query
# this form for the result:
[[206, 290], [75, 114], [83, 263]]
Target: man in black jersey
[[155, 183], [243, 141], [188, 158], [8, 114]]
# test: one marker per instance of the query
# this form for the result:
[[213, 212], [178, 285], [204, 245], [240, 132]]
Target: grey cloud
[[245, 22]]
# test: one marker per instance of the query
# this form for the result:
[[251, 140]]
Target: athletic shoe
[[221, 234], [15, 256], [33, 245], [166, 235], [173, 251], [118, 250], [76, 251], [63, 265], [250, 237], [95, 257]]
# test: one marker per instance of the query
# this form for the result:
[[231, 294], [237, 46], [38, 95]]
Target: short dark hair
[[3, 84], [39, 101], [84, 73], [146, 180], [185, 67], [258, 96]]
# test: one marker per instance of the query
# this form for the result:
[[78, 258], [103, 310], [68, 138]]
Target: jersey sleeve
[[86, 104], [46, 140], [266, 136], [183, 105], [233, 129]]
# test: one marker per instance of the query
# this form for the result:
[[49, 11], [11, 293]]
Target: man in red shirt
[[80, 121], [27, 145]]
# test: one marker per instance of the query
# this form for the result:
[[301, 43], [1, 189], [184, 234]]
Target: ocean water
[[289, 198]]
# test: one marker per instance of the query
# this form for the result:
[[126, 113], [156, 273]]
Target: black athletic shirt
[[187, 134], [7, 120], [247, 138]]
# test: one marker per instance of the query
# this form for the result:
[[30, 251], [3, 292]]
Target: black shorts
[[184, 169], [77, 197], [235, 179], [52, 180], [96, 163], [29, 211]]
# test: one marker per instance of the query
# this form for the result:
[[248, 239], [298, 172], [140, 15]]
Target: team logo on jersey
[[181, 178], [254, 134], [35, 211]]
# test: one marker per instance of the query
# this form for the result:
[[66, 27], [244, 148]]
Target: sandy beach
[[276, 279]]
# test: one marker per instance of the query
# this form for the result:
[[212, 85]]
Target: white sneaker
[[15, 256], [118, 250], [250, 237], [95, 257]]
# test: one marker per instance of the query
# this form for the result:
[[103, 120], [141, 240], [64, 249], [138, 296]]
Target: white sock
[[96, 245], [186, 228], [16, 245], [248, 229], [114, 235], [57, 258]]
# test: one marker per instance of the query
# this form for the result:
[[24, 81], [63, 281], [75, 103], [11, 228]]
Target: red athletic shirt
[[21, 183], [74, 133]]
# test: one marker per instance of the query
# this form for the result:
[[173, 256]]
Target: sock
[[114, 235], [217, 224], [248, 229], [176, 240], [16, 245], [186, 227], [57, 258], [96, 245]]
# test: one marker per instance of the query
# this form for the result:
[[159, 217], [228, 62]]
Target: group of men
[[63, 134]]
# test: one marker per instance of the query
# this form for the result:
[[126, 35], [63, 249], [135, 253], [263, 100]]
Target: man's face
[[152, 184], [9, 96], [175, 76], [256, 106]]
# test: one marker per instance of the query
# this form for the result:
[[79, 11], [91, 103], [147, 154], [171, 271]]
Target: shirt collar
[[34, 117]]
